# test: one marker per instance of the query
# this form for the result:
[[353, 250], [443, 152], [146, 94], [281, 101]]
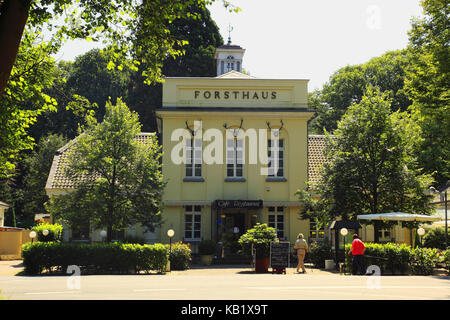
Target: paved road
[[225, 284]]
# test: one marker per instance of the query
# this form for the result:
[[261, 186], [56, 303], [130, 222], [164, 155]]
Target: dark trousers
[[358, 264]]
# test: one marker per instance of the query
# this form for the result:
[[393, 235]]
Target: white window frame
[[195, 225], [277, 212], [235, 157], [273, 150], [193, 155], [313, 228]]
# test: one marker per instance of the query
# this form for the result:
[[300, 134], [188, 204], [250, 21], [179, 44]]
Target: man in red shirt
[[357, 251]]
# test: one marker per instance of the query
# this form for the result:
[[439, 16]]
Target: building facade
[[219, 149]]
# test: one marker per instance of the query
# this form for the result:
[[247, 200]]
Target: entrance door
[[234, 227]]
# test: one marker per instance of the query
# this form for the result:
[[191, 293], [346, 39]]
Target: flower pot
[[206, 260], [262, 265]]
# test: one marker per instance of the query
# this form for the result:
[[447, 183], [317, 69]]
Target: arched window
[[230, 58]]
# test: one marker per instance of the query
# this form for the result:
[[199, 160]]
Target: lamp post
[[433, 189], [103, 235], [421, 232], [344, 232], [170, 234], [32, 235]]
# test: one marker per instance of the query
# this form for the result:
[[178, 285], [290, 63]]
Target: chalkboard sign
[[279, 254]]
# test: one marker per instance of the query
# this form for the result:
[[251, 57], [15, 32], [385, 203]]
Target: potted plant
[[258, 238], [207, 249]]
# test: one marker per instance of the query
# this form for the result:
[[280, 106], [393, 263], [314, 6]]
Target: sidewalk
[[12, 267]]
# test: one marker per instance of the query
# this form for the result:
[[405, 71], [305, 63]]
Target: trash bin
[[329, 264]]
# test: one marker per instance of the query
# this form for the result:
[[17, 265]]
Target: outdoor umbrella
[[398, 216]]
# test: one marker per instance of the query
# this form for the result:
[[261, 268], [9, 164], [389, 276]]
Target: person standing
[[302, 248], [357, 252]]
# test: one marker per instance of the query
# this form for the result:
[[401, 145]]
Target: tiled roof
[[57, 179], [316, 158]]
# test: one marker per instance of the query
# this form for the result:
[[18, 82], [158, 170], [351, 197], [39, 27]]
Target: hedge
[[397, 258], [102, 258], [180, 256], [54, 232]]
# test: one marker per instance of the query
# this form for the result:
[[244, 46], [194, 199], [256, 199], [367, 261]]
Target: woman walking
[[302, 248]]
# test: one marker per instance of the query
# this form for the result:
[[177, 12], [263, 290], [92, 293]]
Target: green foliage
[[180, 256], [398, 258], [319, 252], [427, 82], [207, 247], [117, 179], [102, 258], [435, 238], [372, 167], [447, 259], [25, 99], [424, 260], [316, 210], [260, 237], [348, 85], [54, 232]]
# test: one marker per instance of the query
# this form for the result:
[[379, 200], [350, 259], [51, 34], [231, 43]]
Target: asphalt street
[[225, 284]]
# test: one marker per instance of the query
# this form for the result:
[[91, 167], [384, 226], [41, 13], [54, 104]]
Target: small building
[[3, 207]]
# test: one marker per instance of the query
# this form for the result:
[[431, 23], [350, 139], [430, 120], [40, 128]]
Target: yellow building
[[224, 124]]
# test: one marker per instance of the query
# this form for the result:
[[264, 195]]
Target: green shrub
[[319, 252], [389, 257], [207, 247], [424, 260], [260, 236], [54, 232], [180, 256], [447, 259], [103, 258], [435, 238]]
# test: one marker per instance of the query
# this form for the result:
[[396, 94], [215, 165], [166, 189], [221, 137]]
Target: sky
[[306, 39]]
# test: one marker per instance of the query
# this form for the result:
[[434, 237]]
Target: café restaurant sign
[[240, 204]]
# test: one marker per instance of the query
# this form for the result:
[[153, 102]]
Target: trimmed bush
[[424, 260], [54, 232], [260, 236], [391, 258], [447, 259], [397, 258], [207, 247], [435, 238], [101, 258], [319, 252], [180, 256]]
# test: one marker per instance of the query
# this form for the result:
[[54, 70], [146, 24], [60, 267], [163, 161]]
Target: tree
[[117, 179], [313, 208], [97, 20], [372, 165], [348, 84], [25, 99], [37, 166], [202, 36], [428, 82]]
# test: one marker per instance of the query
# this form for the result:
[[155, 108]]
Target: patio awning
[[398, 216]]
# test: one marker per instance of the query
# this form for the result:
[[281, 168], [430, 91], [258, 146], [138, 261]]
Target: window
[[276, 155], [235, 157], [193, 158], [222, 67], [384, 234], [192, 223], [316, 232], [238, 66], [276, 220]]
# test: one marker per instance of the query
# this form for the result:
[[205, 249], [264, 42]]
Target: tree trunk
[[376, 227], [109, 234], [13, 17]]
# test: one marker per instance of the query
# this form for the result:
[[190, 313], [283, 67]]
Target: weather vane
[[230, 28]]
